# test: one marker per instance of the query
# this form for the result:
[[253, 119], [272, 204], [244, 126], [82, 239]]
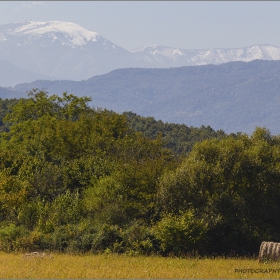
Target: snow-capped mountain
[[66, 33], [61, 50], [166, 56], [65, 50]]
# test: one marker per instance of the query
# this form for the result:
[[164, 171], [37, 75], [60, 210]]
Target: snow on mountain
[[160, 51], [67, 32], [60, 49], [185, 57], [65, 50], [2, 37]]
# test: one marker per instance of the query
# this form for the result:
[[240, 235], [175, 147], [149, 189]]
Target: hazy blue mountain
[[11, 93], [64, 50], [10, 75], [234, 96]]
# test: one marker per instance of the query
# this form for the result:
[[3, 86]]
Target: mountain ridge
[[67, 51], [234, 96]]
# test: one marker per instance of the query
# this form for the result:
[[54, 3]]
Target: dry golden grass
[[120, 266]]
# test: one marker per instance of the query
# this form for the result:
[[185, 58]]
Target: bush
[[34, 241], [108, 237], [138, 238], [180, 234], [9, 234]]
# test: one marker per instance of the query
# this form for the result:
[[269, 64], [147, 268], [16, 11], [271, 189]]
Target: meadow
[[113, 266]]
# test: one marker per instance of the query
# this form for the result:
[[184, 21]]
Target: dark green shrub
[[108, 237], [138, 238], [34, 241]]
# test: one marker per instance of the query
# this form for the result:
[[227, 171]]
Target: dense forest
[[78, 179]]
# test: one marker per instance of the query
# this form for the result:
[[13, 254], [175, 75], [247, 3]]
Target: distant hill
[[11, 93], [235, 96], [10, 75]]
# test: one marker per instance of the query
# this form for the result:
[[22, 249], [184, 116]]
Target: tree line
[[78, 179]]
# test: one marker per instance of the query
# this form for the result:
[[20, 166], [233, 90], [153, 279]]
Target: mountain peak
[[74, 33]]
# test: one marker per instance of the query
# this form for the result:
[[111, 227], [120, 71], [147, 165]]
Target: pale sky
[[182, 24]]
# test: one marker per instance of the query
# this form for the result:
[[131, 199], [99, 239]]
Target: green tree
[[233, 184]]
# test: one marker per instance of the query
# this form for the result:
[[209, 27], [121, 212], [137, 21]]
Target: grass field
[[121, 266]]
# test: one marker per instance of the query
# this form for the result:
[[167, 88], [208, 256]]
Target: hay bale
[[35, 254], [269, 251]]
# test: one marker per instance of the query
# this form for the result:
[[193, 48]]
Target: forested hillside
[[180, 138], [5, 108], [78, 179]]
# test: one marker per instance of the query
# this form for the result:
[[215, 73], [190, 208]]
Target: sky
[[181, 24]]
